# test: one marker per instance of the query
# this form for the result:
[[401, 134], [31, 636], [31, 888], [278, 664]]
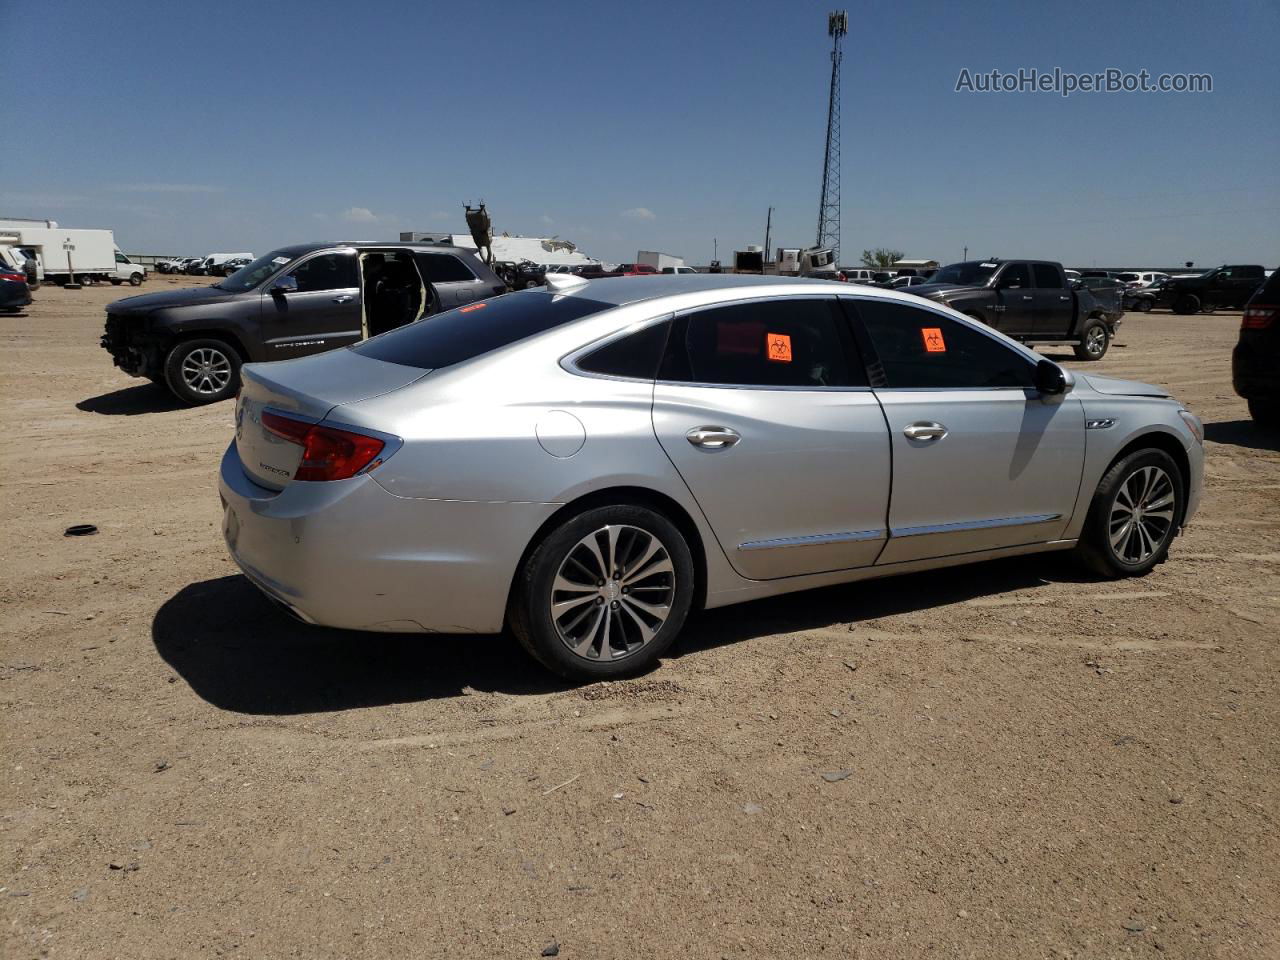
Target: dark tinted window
[[1269, 292], [1015, 275], [329, 271], [637, 355], [444, 268], [769, 343], [1048, 277], [1250, 273], [919, 349], [449, 338]]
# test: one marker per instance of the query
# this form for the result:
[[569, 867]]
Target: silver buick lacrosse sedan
[[587, 463]]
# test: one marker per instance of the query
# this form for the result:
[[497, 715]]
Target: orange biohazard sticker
[[933, 342], [778, 347], [474, 306]]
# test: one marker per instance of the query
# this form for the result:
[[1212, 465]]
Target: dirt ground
[[1038, 764]]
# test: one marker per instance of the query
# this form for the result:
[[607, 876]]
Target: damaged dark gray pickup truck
[[293, 302], [1028, 300]]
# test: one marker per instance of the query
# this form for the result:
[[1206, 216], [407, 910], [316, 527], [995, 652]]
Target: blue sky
[[196, 127]]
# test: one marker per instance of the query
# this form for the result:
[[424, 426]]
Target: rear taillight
[[1258, 317], [20, 277], [327, 452]]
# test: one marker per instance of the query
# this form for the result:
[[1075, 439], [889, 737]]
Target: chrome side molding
[[975, 525], [817, 539]]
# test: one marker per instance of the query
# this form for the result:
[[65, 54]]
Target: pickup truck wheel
[[202, 371], [135, 279], [1265, 411], [1186, 304], [1134, 515], [1094, 341], [116, 281], [1143, 306]]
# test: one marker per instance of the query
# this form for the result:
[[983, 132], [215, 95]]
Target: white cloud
[[639, 213], [547, 220], [358, 215], [168, 188]]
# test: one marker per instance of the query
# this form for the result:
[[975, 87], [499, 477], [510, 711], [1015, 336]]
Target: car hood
[[149, 302], [1122, 388]]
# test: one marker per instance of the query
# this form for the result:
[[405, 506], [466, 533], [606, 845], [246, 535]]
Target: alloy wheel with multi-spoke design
[[206, 371], [1142, 514], [1095, 341], [613, 592]]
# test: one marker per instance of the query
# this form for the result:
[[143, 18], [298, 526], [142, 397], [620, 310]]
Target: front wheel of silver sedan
[[1134, 515], [604, 594]]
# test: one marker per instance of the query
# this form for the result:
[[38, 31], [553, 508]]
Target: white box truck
[[62, 253], [659, 260]]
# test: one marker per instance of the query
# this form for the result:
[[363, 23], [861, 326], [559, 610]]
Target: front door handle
[[713, 438], [1027, 298], [345, 298], [925, 430]]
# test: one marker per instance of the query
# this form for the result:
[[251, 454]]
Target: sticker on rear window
[[933, 342], [778, 347], [279, 261]]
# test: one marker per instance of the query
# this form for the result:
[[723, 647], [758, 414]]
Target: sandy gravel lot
[[1040, 764]]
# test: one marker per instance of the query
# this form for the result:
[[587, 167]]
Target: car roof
[[621, 291], [298, 249]]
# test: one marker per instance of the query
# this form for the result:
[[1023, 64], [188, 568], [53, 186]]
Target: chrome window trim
[[968, 525], [817, 539]]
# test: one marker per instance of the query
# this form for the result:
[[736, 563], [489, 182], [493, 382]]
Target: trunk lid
[[307, 389]]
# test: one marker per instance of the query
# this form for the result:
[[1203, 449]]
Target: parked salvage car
[[1224, 287], [15, 292], [1255, 361], [292, 302], [1143, 299], [1029, 300], [1108, 293], [589, 463]]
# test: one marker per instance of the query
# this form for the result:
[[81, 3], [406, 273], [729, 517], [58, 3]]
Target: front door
[[1017, 311], [980, 460], [323, 313], [764, 411]]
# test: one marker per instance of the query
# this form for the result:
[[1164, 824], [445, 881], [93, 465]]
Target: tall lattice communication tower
[[829, 208]]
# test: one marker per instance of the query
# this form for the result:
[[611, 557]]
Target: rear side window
[[1047, 277], [635, 356], [922, 350], [477, 328], [767, 343], [444, 268]]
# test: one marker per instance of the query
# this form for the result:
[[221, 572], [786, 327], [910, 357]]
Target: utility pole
[[966, 254], [829, 207], [768, 224]]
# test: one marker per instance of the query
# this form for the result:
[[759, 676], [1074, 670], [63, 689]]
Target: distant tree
[[880, 258]]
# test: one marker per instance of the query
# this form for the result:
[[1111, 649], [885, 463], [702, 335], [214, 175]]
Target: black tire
[[1095, 338], [193, 388], [1265, 411], [1096, 549], [1186, 304], [135, 279], [88, 281], [531, 618], [116, 281], [1143, 306]]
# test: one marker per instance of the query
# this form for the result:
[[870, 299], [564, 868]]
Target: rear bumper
[[349, 554], [1255, 371], [15, 298]]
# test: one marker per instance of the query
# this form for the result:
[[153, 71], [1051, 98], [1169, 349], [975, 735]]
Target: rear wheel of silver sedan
[[1134, 515], [604, 594]]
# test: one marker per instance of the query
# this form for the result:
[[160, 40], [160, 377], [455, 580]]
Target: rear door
[[1053, 301], [1016, 307], [980, 460], [323, 313], [767, 416]]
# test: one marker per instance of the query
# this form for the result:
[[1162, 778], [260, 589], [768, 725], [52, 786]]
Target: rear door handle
[[345, 298], [713, 438], [925, 430], [1027, 298]]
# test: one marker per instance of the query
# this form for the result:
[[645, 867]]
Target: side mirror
[[286, 284], [1051, 379]]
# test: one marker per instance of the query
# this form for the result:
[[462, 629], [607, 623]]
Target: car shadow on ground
[[1242, 433], [131, 401], [240, 652]]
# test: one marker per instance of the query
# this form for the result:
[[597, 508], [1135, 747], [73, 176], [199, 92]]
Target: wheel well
[[228, 338], [638, 496], [1170, 445]]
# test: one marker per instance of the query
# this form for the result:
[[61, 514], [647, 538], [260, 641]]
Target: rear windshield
[[449, 338]]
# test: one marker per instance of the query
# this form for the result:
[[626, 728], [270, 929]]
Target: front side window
[[329, 271], [444, 268], [765, 343], [1015, 276], [121, 258], [920, 350]]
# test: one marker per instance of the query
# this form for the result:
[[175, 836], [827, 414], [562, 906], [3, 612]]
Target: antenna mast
[[829, 208]]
